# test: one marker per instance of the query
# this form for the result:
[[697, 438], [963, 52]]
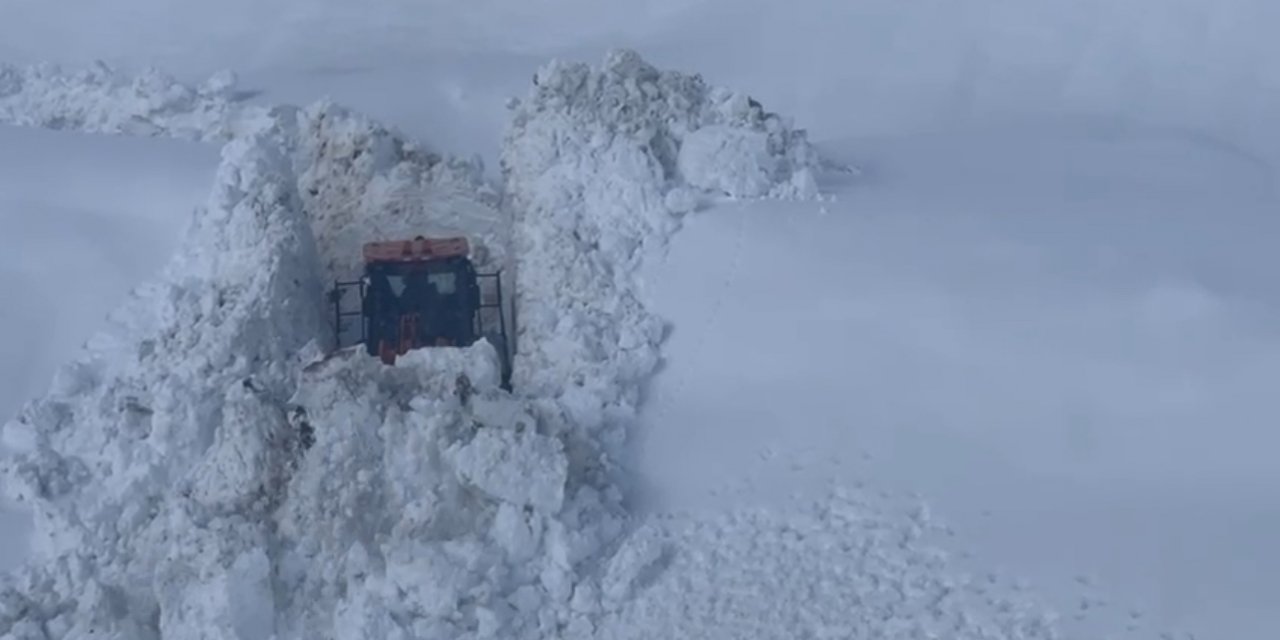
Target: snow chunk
[[523, 469], [738, 163], [640, 553], [253, 448]]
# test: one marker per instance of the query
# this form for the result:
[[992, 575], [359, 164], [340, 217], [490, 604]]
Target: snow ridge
[[102, 99]]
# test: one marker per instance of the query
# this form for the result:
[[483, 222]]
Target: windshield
[[445, 282]]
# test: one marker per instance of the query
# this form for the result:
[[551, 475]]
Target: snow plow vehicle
[[422, 293]]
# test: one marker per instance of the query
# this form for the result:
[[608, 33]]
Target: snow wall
[[210, 468]]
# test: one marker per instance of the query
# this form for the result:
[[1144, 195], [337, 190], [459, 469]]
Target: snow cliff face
[[210, 469]]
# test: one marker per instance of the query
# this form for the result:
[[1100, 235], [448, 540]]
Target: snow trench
[[212, 468]]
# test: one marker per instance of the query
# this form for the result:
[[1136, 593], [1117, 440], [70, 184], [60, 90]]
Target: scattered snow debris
[[526, 470], [842, 567], [103, 100]]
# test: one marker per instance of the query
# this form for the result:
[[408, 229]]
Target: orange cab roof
[[419, 249]]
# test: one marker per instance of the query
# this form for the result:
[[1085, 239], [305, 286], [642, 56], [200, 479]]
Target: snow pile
[[149, 459], [599, 164], [104, 100], [420, 511]]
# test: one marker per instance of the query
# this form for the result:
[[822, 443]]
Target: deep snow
[[1198, 70], [1065, 344]]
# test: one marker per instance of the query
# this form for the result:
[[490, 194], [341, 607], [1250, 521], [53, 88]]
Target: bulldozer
[[421, 293]]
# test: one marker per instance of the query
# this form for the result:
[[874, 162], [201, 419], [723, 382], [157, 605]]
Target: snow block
[[524, 469]]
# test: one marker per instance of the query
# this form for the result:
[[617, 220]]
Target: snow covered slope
[[1065, 343]]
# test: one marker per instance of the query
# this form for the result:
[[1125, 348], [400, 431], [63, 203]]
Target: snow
[[845, 566], [86, 219], [1060, 344], [591, 156], [957, 283], [199, 452]]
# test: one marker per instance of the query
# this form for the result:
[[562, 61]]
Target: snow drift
[[209, 468]]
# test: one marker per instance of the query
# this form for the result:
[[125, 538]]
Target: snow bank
[[151, 454], [104, 100], [597, 173], [599, 163]]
